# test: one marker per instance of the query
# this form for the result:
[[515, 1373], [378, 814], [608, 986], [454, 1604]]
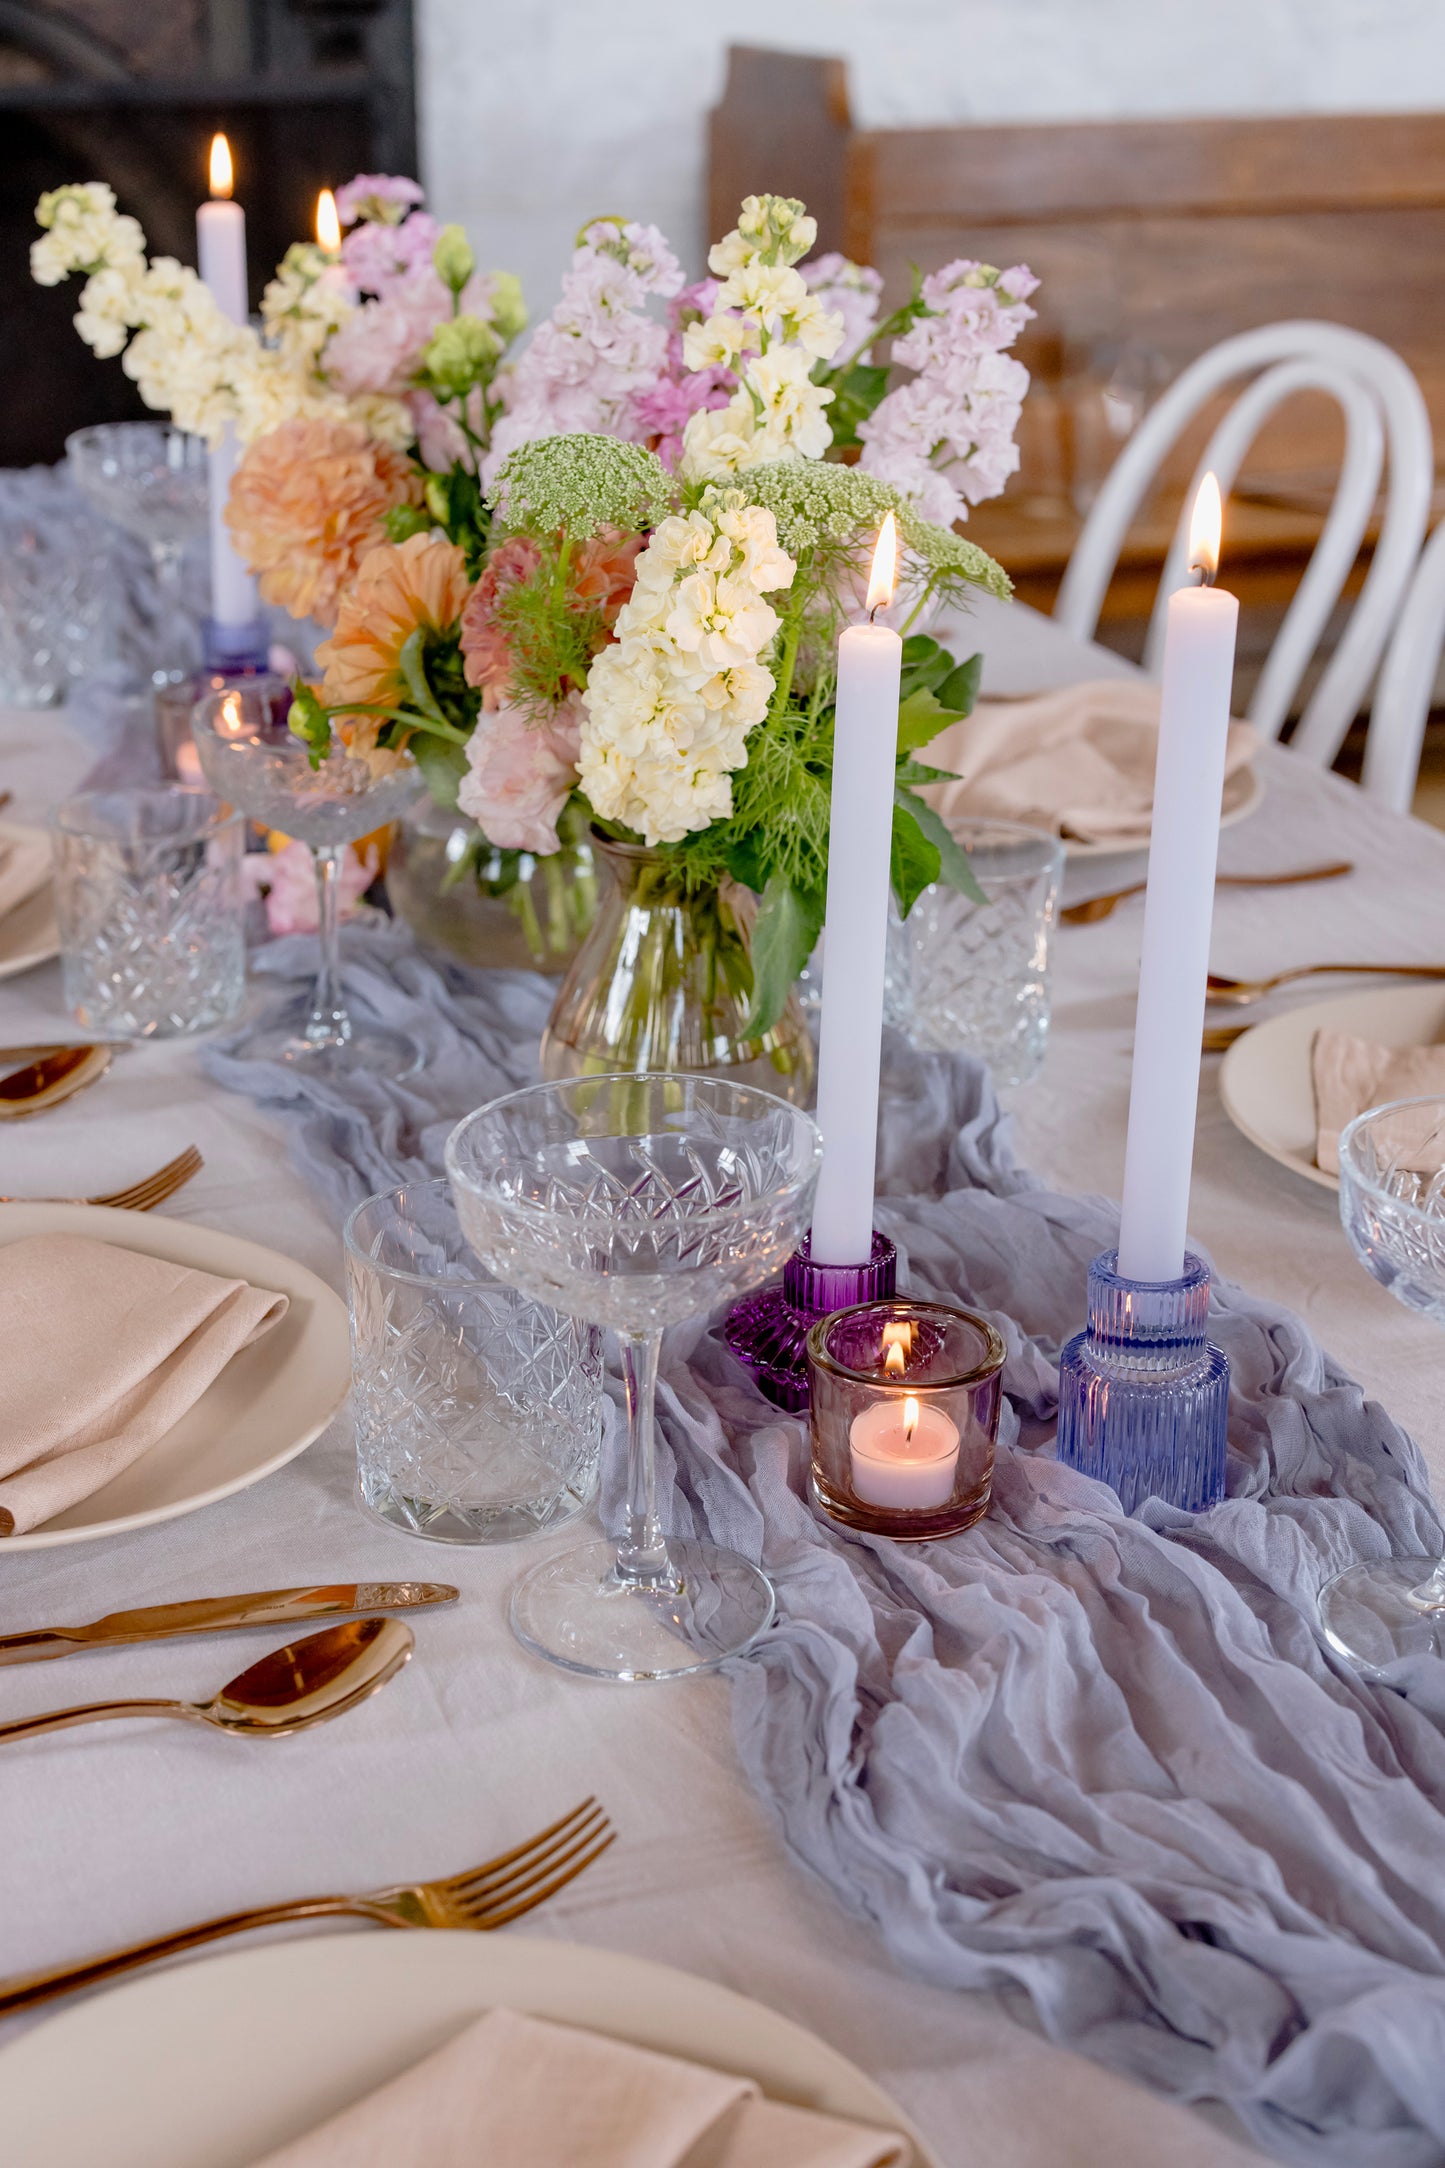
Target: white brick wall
[[538, 114]]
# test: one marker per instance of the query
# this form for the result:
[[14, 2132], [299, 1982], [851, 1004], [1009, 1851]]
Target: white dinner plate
[[1242, 793], [267, 1405], [1264, 1079], [215, 2063], [28, 934]]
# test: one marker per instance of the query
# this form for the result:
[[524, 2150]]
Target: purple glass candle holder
[[1143, 1391], [769, 1331]]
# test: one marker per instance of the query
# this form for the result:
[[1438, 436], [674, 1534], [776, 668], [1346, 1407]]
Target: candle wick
[[1201, 575]]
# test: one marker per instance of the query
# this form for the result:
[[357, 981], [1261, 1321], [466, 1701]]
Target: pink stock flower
[[378, 258], [851, 290], [520, 774], [287, 880], [381, 196], [379, 346]]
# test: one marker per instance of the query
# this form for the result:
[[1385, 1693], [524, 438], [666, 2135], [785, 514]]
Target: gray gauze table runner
[[1105, 1761]]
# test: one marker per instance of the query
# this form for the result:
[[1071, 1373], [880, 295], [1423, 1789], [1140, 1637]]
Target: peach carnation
[[600, 577], [306, 506]]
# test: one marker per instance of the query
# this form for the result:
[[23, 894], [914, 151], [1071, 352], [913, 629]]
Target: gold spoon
[[1236, 992], [307, 1682], [49, 1078], [1094, 908]]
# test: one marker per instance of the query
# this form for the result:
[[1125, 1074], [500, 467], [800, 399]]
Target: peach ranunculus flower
[[307, 504], [400, 586]]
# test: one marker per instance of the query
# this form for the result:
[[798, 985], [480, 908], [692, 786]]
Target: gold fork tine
[[142, 1196], [535, 1897], [471, 1875], [491, 1889]]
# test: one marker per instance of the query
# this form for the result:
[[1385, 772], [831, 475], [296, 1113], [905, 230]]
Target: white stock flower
[[793, 423], [718, 342], [719, 441]]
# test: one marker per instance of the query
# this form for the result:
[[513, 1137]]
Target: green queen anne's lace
[[575, 485]]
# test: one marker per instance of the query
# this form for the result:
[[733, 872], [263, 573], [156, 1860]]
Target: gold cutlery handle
[[27, 1988], [90, 1712]]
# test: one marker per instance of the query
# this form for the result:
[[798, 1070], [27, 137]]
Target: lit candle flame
[[897, 1347], [223, 176], [882, 578], [910, 1419], [230, 717], [1206, 523], [328, 225]]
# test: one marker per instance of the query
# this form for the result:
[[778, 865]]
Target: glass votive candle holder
[[904, 1416]]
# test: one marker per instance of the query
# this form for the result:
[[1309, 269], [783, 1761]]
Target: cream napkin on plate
[[1079, 762], [1352, 1074], [103, 1350], [520, 2092], [25, 862]]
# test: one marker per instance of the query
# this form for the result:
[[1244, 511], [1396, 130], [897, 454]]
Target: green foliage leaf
[[405, 520], [914, 861], [309, 721], [921, 717], [960, 689], [786, 933], [857, 391], [953, 865], [442, 764], [914, 771], [413, 669]]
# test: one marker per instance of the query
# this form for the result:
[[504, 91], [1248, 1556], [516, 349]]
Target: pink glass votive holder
[[904, 1416]]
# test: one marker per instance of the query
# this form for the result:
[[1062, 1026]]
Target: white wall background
[[540, 114]]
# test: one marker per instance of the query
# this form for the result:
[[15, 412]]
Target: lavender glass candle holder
[[1143, 1391], [769, 1331], [905, 1401]]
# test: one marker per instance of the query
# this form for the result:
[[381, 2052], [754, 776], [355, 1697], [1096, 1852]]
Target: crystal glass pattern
[[980, 971], [148, 901], [250, 756], [1143, 1391], [882, 1356], [664, 981], [1392, 1206], [154, 481], [478, 1413], [56, 590], [636, 1202]]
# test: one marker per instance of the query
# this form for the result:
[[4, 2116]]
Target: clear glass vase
[[664, 982], [486, 906]]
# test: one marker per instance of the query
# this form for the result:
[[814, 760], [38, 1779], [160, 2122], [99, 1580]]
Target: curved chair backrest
[[1407, 681], [1384, 414]]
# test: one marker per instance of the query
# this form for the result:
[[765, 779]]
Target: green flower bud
[[459, 354], [438, 503], [509, 310], [453, 257]]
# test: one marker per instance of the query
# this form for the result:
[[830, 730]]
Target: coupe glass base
[[1369, 1612], [371, 1049], [574, 1610]]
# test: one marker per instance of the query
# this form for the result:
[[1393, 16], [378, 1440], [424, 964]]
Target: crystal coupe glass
[[1392, 1205], [636, 1202], [251, 758]]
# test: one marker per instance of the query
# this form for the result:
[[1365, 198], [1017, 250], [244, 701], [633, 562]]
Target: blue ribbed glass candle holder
[[1144, 1392]]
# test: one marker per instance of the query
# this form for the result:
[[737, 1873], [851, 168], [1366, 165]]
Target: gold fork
[[483, 1897], [1239, 991], [140, 1196]]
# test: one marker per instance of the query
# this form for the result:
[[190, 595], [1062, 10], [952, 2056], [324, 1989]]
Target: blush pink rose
[[287, 880], [520, 773]]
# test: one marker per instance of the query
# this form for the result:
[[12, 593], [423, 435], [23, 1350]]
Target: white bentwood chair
[[1407, 682], [1385, 416]]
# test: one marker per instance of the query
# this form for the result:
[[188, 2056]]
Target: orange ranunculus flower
[[306, 507], [422, 581]]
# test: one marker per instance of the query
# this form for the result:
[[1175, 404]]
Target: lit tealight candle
[[904, 1453]]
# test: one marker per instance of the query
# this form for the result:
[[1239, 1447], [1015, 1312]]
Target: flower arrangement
[[598, 580]]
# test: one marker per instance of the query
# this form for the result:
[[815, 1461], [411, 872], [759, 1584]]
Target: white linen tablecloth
[[107, 1836]]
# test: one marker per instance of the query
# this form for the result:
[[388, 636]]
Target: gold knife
[[214, 1614]]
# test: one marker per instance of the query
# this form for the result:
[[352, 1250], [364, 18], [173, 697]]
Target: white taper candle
[[860, 834], [1178, 909], [221, 249]]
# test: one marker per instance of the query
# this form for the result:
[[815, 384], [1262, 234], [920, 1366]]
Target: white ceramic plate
[[268, 1404], [1264, 1079], [28, 934], [213, 2064], [1242, 793]]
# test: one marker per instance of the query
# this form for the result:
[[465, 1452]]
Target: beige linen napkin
[[1351, 1074], [1079, 762], [102, 1350], [520, 2092], [24, 867]]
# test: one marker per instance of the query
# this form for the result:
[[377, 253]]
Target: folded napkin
[[1079, 762], [519, 2092], [24, 867], [102, 1350], [1351, 1074]]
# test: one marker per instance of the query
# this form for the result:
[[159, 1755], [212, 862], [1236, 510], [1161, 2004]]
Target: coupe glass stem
[[642, 1558], [328, 1023], [1430, 1595]]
